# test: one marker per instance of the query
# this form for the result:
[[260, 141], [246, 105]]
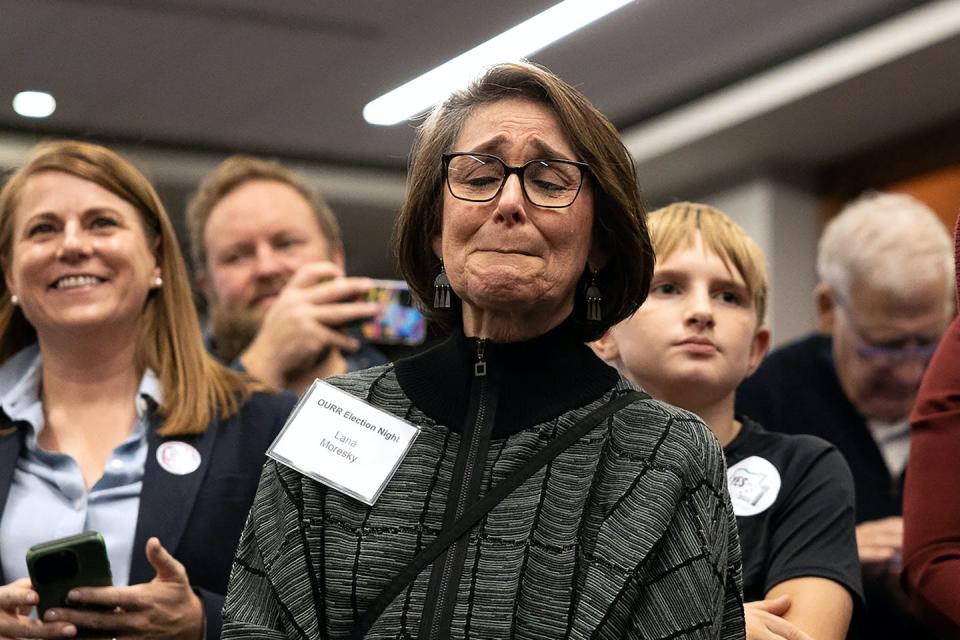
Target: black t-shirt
[[794, 500]]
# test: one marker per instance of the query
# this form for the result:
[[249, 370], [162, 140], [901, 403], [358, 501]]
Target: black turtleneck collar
[[536, 380]]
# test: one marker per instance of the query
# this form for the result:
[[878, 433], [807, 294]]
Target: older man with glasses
[[884, 298]]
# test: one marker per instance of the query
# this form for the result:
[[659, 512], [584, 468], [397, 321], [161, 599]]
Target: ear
[[436, 243], [597, 258], [7, 277], [155, 249], [203, 284], [606, 347], [826, 305], [758, 349], [8, 281], [338, 257]]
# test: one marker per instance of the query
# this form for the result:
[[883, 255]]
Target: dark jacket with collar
[[198, 517], [796, 390], [608, 540]]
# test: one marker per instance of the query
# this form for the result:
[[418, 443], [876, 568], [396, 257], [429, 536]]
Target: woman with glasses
[[523, 227]]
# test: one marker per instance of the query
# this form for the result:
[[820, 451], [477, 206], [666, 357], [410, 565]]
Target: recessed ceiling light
[[34, 104], [514, 44]]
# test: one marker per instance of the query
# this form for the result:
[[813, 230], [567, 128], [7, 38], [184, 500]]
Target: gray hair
[[886, 241]]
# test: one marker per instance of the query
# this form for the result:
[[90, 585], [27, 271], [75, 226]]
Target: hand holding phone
[[164, 608], [17, 601], [60, 565]]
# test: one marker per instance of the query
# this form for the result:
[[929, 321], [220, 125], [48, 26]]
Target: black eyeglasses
[[479, 177]]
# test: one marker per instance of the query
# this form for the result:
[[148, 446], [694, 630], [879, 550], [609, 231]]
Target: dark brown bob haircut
[[619, 227]]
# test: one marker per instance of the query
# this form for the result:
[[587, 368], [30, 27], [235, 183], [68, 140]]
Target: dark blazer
[[198, 517], [796, 390]]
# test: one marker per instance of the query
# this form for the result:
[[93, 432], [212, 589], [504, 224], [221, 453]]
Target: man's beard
[[233, 330], [234, 327]]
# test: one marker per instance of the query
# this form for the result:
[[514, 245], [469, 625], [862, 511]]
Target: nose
[[909, 371], [74, 244], [699, 312], [268, 264], [511, 203]]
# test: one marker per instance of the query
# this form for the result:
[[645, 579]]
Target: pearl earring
[[14, 300], [157, 282]]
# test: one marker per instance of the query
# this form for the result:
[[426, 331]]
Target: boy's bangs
[[674, 226]]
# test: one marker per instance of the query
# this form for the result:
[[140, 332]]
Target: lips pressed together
[[699, 344], [522, 252]]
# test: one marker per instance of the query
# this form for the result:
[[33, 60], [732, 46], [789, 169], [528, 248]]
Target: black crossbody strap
[[475, 512]]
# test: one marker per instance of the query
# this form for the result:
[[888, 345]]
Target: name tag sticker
[[343, 442]]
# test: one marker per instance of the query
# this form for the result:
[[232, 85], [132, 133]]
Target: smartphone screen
[[399, 322]]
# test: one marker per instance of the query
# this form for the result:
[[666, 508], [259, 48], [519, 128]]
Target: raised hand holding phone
[[306, 321]]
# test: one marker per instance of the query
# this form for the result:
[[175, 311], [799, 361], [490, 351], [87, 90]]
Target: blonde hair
[[674, 226], [195, 387], [237, 171]]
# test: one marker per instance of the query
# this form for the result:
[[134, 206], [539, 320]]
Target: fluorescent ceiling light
[[34, 104], [514, 44], [794, 80]]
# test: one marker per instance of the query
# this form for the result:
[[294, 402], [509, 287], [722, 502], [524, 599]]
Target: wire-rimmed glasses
[[891, 354]]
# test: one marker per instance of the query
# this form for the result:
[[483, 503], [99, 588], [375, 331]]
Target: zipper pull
[[480, 366]]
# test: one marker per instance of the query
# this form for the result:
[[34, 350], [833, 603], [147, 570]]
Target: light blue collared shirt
[[48, 498]]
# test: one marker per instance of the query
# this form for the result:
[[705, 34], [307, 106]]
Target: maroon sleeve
[[931, 501]]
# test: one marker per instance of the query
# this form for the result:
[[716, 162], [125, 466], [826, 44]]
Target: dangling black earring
[[441, 290], [594, 299]]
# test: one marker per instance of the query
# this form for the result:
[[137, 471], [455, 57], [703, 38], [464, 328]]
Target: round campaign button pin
[[178, 458], [754, 484]]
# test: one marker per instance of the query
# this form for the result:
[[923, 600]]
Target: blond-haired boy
[[697, 336]]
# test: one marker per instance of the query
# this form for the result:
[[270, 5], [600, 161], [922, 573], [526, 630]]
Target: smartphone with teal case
[[59, 565]]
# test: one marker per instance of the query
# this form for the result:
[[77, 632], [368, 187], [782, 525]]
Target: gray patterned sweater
[[626, 534]]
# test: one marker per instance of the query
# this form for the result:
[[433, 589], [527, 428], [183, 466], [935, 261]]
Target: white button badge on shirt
[[754, 485], [178, 458]]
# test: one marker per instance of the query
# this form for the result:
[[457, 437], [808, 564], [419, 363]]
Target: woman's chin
[[503, 294]]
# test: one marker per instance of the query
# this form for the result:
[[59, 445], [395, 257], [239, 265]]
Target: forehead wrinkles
[[491, 129]]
